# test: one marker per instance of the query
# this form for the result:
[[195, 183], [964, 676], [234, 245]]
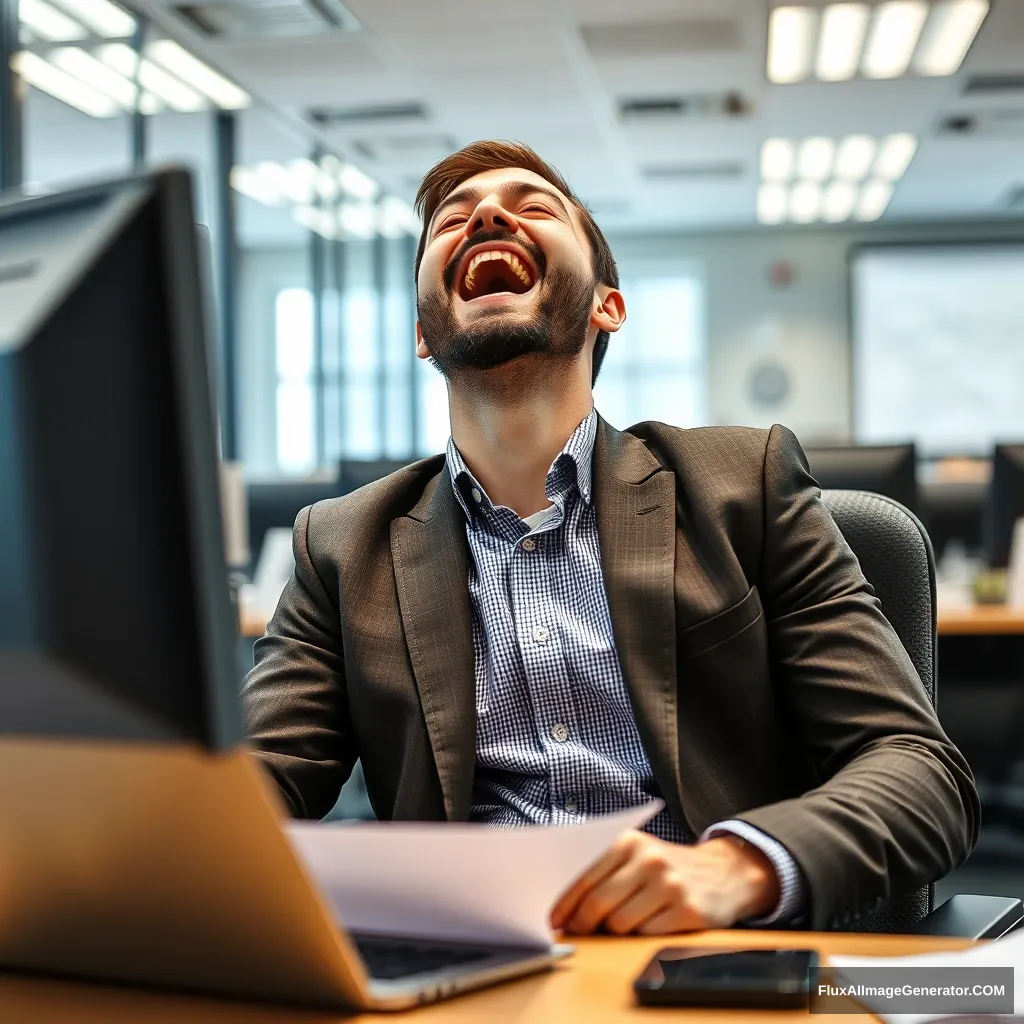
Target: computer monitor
[[882, 469], [115, 615], [1005, 503]]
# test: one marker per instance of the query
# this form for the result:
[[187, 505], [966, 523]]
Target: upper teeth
[[496, 254]]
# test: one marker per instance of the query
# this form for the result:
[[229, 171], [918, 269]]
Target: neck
[[509, 436]]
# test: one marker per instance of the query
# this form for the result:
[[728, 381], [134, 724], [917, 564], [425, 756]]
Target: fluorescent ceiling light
[[397, 218], [164, 86], [86, 68], [895, 155], [948, 36], [790, 41], [320, 221], [854, 157], [771, 204], [805, 202], [299, 181], [815, 160], [839, 201], [894, 32], [249, 182], [359, 219], [777, 159], [43, 75], [195, 73], [327, 184], [103, 17], [48, 23], [842, 38], [873, 200], [357, 184]]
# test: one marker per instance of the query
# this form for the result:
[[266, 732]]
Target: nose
[[490, 215]]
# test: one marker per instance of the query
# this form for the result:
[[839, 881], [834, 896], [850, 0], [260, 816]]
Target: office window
[[296, 391], [655, 368]]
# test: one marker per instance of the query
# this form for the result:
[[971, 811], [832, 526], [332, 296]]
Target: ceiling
[[419, 77]]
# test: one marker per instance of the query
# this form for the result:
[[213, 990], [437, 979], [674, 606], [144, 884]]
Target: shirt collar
[[572, 469]]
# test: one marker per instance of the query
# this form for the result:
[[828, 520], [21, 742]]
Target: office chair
[[896, 557]]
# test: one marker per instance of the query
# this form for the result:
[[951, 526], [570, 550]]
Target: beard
[[557, 330]]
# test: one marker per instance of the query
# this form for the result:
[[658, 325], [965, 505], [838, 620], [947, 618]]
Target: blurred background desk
[[981, 620], [594, 986]]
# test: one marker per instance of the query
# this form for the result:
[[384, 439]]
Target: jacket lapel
[[431, 572], [636, 521]]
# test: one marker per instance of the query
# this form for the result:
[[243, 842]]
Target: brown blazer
[[766, 682]]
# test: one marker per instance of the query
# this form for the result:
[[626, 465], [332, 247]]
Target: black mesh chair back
[[896, 557]]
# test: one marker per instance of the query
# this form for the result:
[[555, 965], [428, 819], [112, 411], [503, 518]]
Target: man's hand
[[647, 886]]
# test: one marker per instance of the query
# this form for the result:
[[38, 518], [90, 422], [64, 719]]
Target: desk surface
[[981, 620], [594, 986]]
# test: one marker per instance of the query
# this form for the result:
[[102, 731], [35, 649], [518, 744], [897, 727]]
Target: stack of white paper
[[1008, 952], [455, 881]]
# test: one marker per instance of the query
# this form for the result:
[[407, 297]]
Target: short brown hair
[[444, 177]]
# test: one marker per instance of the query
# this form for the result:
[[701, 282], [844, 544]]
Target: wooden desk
[[981, 620], [592, 987]]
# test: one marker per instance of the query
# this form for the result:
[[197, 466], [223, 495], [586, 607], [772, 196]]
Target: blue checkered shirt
[[557, 741]]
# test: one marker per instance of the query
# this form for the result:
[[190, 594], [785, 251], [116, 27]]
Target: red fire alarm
[[781, 273]]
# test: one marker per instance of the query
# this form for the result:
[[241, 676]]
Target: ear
[[422, 352], [609, 312]]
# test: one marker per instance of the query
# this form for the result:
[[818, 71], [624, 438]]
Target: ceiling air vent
[[692, 172], [987, 85], [391, 113], [268, 19], [684, 37], [652, 108], [1004, 124]]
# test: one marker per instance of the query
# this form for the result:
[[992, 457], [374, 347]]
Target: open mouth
[[495, 272]]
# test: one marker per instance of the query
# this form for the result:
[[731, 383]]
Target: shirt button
[[560, 732], [477, 496], [529, 544], [570, 806], [541, 635]]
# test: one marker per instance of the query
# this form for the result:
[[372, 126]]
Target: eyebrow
[[508, 191]]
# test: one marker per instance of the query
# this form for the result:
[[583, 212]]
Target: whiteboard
[[938, 346]]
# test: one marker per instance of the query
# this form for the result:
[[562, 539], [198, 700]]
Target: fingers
[[612, 860], [604, 898], [632, 912]]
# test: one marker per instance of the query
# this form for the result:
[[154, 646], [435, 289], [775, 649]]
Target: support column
[[226, 260], [408, 262], [12, 93], [138, 122], [379, 270], [318, 284]]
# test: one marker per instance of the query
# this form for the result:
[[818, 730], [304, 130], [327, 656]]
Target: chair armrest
[[972, 917]]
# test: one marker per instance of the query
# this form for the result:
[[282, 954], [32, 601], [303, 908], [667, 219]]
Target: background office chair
[[896, 557]]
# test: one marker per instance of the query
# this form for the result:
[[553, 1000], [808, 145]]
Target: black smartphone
[[752, 978]]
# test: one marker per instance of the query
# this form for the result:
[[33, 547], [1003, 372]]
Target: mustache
[[498, 235]]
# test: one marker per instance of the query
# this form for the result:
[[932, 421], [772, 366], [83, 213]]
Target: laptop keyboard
[[387, 959]]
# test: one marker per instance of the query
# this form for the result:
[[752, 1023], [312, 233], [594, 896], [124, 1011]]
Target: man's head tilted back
[[510, 265]]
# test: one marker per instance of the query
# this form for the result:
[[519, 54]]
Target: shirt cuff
[[791, 884]]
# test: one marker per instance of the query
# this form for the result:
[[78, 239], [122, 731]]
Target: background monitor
[[115, 616], [1005, 503], [885, 469]]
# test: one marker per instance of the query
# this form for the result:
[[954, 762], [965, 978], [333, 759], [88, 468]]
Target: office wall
[[774, 300], [780, 298]]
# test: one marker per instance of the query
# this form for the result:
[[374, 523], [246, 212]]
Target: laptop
[[139, 842]]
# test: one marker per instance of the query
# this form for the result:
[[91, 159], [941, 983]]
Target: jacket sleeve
[[896, 807], [294, 700]]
